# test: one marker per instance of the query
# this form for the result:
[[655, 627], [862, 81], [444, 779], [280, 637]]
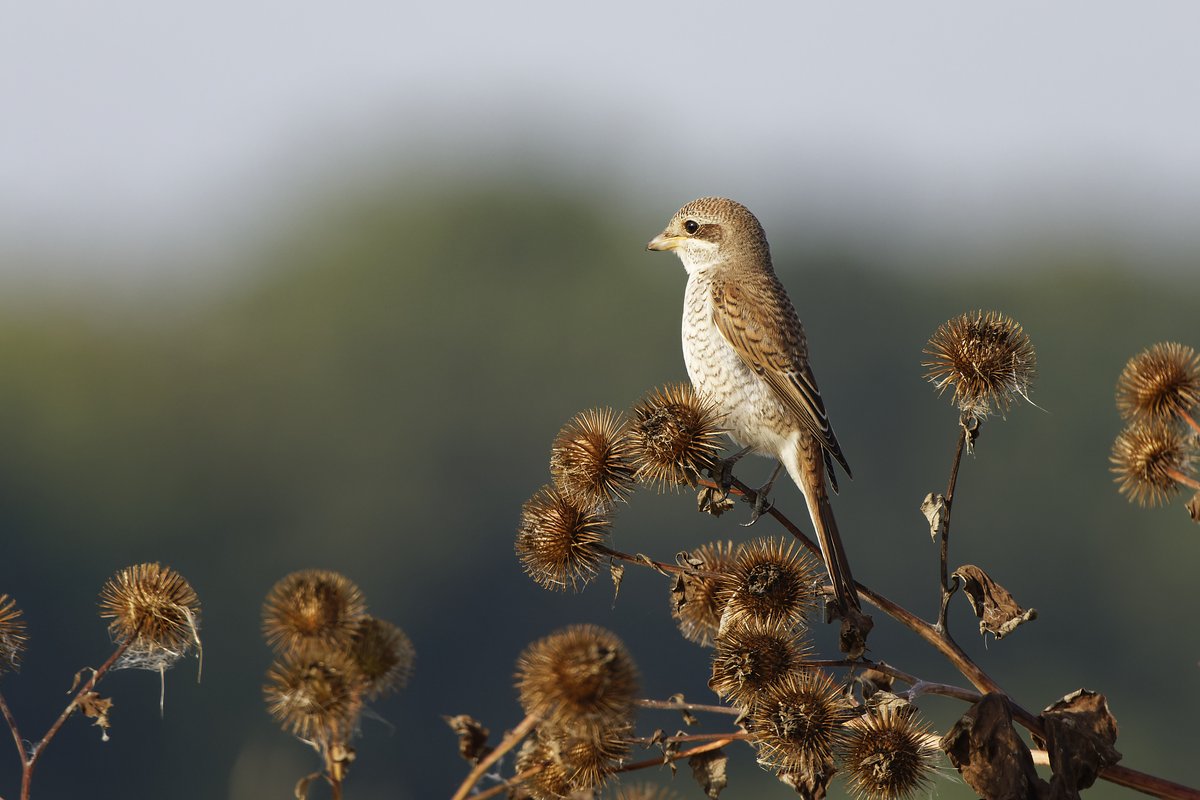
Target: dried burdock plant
[[1151, 460], [332, 657], [770, 584], [315, 692], [750, 659], [568, 763], [675, 434], [12, 634], [312, 606], [986, 357], [578, 678], [798, 721], [383, 654], [155, 611], [696, 597], [1160, 383], [887, 754], [154, 620], [590, 459], [560, 543]]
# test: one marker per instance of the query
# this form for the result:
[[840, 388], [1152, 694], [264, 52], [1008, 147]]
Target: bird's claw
[[761, 506]]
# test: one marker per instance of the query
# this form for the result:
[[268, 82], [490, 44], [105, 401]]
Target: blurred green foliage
[[376, 392]]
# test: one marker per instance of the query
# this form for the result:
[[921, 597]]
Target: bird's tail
[[808, 471]]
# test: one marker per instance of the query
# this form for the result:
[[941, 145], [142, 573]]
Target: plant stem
[[509, 742], [690, 737], [658, 762], [671, 705], [36, 751], [1186, 480], [964, 434], [1190, 420], [12, 726]]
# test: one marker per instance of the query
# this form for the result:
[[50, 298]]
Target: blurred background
[[289, 285]]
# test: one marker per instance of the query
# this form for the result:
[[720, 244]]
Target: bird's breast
[[753, 415]]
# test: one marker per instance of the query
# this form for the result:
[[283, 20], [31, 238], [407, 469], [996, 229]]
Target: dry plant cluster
[[751, 604]]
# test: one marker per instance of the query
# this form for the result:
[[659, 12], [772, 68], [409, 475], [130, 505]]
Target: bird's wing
[[777, 351]]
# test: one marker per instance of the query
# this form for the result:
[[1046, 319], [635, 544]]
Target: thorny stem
[[509, 742], [35, 752]]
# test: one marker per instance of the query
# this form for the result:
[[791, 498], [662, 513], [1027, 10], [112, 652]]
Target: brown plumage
[[746, 351]]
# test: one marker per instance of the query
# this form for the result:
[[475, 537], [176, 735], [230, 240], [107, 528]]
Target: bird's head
[[711, 231]]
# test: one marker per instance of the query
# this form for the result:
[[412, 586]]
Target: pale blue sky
[[129, 121]]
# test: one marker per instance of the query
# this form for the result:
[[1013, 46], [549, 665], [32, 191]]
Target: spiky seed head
[[569, 764], [771, 583], [312, 606], [559, 542], [315, 692], [383, 654], [578, 678], [696, 600], [12, 635], [986, 357], [1143, 457], [645, 791], [590, 459], [888, 755], [675, 434], [1160, 382], [798, 720], [750, 659], [155, 610]]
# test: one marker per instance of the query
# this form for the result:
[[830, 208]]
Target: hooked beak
[[664, 242]]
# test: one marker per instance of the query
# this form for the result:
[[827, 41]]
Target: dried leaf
[[884, 700], [811, 783], [873, 681], [709, 770], [618, 574], [713, 501], [992, 758], [1193, 507], [96, 707], [301, 790], [1080, 733], [934, 509], [472, 737], [998, 612], [688, 717]]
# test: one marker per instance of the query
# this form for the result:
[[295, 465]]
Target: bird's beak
[[664, 241]]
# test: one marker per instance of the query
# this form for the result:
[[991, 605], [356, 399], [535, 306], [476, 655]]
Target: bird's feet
[[722, 472], [760, 506]]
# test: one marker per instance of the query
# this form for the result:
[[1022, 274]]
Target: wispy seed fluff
[[1160, 383], [888, 755], [558, 542], [12, 634], [798, 721], [771, 583], [1149, 458], [749, 660], [590, 459], [577, 678], [153, 609], [986, 357], [696, 600], [312, 606], [383, 654], [675, 435], [315, 692]]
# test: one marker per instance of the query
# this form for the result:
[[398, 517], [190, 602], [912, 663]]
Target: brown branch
[[12, 726], [965, 435], [508, 784], [658, 762], [671, 705], [509, 742], [1186, 480], [1190, 420], [688, 737]]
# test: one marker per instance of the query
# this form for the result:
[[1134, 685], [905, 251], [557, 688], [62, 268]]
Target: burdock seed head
[[558, 542], [675, 434], [590, 459], [1146, 457], [315, 692], [569, 763], [1160, 382], [12, 634], [986, 357], [887, 755], [799, 721], [312, 606], [383, 654], [696, 600], [771, 583], [750, 659], [153, 609], [578, 678]]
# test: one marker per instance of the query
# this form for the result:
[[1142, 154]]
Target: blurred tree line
[[375, 392]]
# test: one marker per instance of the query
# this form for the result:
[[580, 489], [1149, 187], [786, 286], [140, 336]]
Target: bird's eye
[[691, 226]]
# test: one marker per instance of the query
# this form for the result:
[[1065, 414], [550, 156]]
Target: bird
[[745, 350]]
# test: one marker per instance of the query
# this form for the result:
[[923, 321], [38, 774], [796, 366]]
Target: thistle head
[[560, 543], [12, 634], [312, 606], [675, 434], [590, 459], [770, 583], [1159, 383], [1147, 456], [986, 357], [798, 721], [888, 755], [153, 611], [697, 600]]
